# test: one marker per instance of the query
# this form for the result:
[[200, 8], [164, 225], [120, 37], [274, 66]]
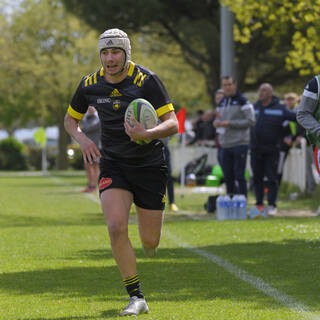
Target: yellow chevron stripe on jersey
[[75, 114], [164, 109], [131, 68], [115, 93], [88, 80], [139, 78], [101, 72]]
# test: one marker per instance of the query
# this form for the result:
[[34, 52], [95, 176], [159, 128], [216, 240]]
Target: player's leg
[[257, 166], [91, 177], [116, 205], [150, 227], [95, 173], [239, 167], [271, 164]]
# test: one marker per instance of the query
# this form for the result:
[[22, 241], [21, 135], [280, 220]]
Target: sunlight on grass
[[56, 262]]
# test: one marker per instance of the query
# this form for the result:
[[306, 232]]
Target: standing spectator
[[90, 125], [236, 116], [170, 183], [219, 94], [266, 138], [218, 97], [209, 131], [197, 127], [291, 133]]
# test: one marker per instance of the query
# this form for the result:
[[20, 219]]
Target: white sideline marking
[[256, 282]]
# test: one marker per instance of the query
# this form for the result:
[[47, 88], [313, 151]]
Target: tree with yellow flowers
[[278, 18]]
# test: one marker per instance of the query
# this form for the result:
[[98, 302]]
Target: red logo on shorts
[[104, 182]]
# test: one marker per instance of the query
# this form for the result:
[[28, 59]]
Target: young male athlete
[[130, 172]]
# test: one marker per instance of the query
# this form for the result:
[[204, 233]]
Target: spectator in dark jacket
[[266, 138]]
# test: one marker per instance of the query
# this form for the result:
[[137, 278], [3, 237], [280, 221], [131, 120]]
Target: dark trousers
[[170, 187], [265, 165], [234, 161]]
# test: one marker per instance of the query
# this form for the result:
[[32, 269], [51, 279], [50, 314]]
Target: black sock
[[133, 286]]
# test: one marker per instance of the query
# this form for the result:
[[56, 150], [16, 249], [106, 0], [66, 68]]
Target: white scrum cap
[[116, 38]]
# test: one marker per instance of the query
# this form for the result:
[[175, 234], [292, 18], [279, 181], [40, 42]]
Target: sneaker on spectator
[[272, 210], [173, 207]]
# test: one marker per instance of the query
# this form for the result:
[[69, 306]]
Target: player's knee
[[150, 242], [117, 229]]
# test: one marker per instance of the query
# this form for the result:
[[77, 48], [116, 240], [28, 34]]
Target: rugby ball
[[143, 111]]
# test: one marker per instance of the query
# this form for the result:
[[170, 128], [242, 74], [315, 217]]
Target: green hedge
[[35, 157], [12, 155]]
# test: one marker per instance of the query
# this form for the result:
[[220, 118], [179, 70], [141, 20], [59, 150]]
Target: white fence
[[294, 169]]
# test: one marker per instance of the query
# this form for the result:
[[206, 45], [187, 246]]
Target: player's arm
[[167, 127], [89, 149], [307, 108]]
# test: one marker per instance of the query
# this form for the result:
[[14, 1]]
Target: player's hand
[[136, 132], [216, 123], [90, 151], [288, 141]]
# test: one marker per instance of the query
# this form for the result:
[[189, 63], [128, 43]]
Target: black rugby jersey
[[111, 101]]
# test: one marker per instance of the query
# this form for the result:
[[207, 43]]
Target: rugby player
[[130, 172], [308, 115]]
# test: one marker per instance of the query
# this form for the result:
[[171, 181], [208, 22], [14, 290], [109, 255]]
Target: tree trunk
[[64, 140]]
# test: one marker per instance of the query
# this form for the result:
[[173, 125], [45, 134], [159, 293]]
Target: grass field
[[56, 261]]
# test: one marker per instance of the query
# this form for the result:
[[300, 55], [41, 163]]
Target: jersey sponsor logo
[[115, 93], [104, 100], [116, 105], [104, 183]]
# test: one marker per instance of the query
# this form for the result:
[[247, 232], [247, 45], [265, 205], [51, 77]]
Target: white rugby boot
[[135, 307]]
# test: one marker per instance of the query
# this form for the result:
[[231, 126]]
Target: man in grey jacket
[[234, 118]]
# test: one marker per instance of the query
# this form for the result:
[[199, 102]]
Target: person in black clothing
[[218, 97], [265, 144], [208, 129], [197, 127]]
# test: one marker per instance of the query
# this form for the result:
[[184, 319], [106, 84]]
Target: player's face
[[112, 61]]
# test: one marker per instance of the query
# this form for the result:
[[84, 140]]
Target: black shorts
[[147, 184]]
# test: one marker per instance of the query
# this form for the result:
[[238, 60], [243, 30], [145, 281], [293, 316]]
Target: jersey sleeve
[[156, 94], [79, 105], [308, 106]]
